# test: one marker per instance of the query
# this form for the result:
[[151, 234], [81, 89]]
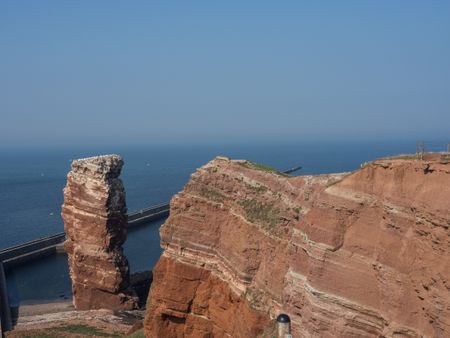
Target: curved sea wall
[[363, 254]]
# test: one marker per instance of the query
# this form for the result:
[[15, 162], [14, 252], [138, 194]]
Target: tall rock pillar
[[95, 220]]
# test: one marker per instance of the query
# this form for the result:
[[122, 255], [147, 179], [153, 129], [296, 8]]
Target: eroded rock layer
[[95, 219], [363, 254]]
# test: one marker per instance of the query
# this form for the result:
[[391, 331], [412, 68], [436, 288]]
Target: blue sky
[[138, 72]]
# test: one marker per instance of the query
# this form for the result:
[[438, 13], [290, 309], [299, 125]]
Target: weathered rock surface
[[95, 220], [363, 254]]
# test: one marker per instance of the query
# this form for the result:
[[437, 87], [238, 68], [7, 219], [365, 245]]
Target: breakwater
[[50, 245], [147, 215]]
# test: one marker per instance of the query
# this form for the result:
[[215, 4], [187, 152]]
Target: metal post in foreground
[[283, 326], [5, 312]]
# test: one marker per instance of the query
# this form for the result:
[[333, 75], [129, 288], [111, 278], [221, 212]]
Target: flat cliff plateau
[[361, 254]]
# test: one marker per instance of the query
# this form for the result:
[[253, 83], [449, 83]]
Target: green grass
[[263, 167], [84, 330], [73, 330], [137, 334], [265, 214], [198, 187], [260, 189], [212, 169], [211, 194]]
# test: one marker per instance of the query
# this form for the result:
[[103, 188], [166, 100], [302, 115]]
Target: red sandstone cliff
[[364, 254], [95, 220]]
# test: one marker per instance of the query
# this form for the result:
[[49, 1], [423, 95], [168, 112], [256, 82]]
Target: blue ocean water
[[31, 183]]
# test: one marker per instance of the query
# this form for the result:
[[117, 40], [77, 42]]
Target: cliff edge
[[362, 254]]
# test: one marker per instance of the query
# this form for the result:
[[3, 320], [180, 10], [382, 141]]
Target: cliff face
[[95, 219], [364, 254]]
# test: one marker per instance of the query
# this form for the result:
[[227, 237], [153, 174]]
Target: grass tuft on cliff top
[[263, 167]]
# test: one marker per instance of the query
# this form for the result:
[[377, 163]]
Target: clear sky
[[99, 72]]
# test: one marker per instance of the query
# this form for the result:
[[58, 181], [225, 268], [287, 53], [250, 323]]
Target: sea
[[32, 181]]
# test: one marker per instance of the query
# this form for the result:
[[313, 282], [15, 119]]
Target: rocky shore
[[61, 319]]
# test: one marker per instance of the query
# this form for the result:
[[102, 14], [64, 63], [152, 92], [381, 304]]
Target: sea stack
[[95, 221]]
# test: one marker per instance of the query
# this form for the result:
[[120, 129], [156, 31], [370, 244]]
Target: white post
[[283, 326]]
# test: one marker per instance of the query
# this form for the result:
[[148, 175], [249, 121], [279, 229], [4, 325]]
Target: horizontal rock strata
[[363, 254], [95, 219]]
